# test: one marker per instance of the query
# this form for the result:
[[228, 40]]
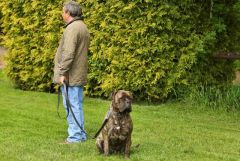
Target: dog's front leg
[[127, 147], [106, 145]]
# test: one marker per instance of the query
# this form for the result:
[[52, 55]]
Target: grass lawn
[[31, 130]]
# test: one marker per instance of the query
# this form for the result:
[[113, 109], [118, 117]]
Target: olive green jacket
[[71, 56]]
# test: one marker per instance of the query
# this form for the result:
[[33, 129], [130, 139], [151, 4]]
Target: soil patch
[[3, 51], [237, 79]]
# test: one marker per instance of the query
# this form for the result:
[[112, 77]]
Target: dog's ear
[[130, 95], [113, 96], [114, 93]]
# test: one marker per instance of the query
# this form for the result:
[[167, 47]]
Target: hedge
[[32, 30], [152, 48]]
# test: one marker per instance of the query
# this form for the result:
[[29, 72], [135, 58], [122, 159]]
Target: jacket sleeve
[[70, 40]]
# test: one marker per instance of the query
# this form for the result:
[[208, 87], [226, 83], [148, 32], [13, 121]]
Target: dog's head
[[122, 101]]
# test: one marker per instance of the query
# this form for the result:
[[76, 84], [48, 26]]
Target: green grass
[[31, 130], [224, 98]]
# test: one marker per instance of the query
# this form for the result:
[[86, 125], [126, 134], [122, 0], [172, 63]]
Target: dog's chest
[[120, 128]]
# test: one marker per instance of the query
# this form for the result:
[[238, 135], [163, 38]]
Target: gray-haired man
[[71, 66]]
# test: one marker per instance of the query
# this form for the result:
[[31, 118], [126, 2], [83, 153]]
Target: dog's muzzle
[[129, 109]]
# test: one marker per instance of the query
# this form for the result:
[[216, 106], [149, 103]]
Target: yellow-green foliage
[[32, 30], [141, 47], [149, 47], [154, 48]]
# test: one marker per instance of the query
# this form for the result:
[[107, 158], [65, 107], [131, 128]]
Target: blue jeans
[[75, 95]]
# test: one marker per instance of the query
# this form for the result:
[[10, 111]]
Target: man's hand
[[62, 79]]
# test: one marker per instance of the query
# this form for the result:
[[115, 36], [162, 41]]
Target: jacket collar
[[75, 19]]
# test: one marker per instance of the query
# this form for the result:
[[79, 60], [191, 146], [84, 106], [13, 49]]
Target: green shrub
[[32, 30], [154, 48], [140, 47], [150, 47]]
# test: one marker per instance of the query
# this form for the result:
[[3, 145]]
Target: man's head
[[71, 10]]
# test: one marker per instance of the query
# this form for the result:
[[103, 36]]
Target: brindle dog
[[115, 135]]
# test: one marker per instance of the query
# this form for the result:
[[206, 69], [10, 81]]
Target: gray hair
[[73, 8]]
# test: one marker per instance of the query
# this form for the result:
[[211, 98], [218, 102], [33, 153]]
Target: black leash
[[104, 122], [69, 107], [58, 105]]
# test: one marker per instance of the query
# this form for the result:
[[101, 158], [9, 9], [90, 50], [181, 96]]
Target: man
[[71, 67]]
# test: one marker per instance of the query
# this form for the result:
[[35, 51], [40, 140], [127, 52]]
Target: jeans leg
[[75, 95]]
